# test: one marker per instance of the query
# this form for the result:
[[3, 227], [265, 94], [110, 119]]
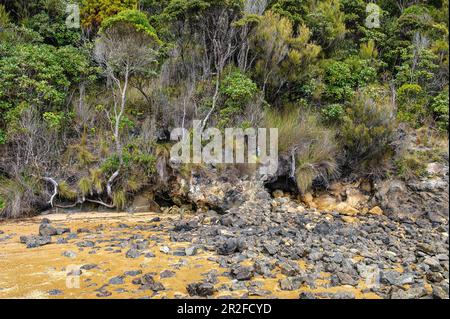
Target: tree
[[327, 22], [50, 23], [295, 10], [211, 29], [38, 77], [127, 47], [280, 55], [93, 12], [367, 129]]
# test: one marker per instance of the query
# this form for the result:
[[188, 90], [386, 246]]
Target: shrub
[[439, 107], [52, 28], [368, 127], [93, 12], [135, 18], [338, 77], [333, 113], [2, 137], [411, 104], [53, 119], [343, 77], [238, 90], [4, 16], [238, 87], [38, 77]]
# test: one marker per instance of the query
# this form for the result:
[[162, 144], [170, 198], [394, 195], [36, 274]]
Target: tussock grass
[[300, 133]]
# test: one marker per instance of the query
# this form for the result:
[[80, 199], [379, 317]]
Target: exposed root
[[82, 199]]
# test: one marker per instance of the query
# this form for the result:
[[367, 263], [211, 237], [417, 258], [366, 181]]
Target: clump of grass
[[300, 133], [85, 185], [409, 165], [17, 197], [316, 160], [96, 179], [64, 191], [434, 140], [119, 199], [133, 183], [289, 127]]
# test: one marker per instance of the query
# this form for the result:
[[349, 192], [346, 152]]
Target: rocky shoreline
[[268, 248]]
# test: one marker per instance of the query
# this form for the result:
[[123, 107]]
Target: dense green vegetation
[[82, 109]]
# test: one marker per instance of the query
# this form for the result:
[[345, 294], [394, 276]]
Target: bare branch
[[55, 189]]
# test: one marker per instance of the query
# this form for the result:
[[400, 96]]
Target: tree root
[[82, 199]]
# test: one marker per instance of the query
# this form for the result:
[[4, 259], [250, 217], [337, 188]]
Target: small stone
[[376, 211], [132, 273], [148, 283], [263, 268], [289, 269], [35, 241], [46, 229], [349, 219], [439, 293], [87, 243], [306, 295], [116, 280], [346, 209], [433, 262], [71, 236], [291, 283], [271, 249], [167, 274], [322, 228], [61, 231], [61, 241], [405, 279], [346, 279], [74, 272], [315, 256], [69, 254], [200, 289], [426, 248], [132, 253], [390, 277], [55, 292], [228, 247], [242, 273], [277, 193], [88, 266], [191, 251], [164, 249], [179, 252], [103, 293]]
